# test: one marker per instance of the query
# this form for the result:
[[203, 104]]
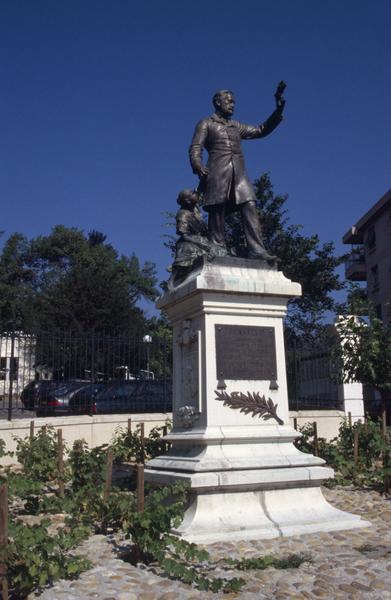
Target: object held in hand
[[280, 101]]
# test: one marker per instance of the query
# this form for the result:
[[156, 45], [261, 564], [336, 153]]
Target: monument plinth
[[231, 438]]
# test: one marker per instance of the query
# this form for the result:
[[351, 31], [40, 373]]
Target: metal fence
[[65, 357], [105, 359], [312, 381]]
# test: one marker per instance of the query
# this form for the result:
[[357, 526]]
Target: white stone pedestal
[[248, 481]]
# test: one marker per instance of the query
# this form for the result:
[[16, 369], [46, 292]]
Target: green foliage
[[303, 258], [3, 451], [366, 548], [72, 281], [148, 527], [369, 469], [159, 328], [293, 561], [87, 466], [161, 332], [356, 303], [20, 486], [16, 279], [44, 503], [86, 285], [39, 455], [34, 558], [155, 445], [88, 469], [128, 446], [150, 531], [364, 353]]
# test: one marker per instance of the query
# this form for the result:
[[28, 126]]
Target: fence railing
[[67, 357], [311, 376], [46, 360]]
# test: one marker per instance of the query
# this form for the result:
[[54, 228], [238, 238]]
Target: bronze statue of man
[[224, 184]]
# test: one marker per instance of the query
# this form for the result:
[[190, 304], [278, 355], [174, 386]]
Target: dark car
[[126, 397], [153, 396], [81, 401], [56, 401], [37, 389]]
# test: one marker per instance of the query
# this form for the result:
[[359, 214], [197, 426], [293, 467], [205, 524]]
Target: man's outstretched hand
[[280, 100]]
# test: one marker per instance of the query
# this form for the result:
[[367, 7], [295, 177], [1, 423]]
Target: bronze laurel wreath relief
[[252, 403]]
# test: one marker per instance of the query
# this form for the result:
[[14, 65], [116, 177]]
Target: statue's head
[[224, 103], [187, 198]]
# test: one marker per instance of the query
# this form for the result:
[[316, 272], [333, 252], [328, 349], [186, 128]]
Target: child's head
[[187, 198]]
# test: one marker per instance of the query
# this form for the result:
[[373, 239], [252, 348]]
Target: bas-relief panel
[[188, 344]]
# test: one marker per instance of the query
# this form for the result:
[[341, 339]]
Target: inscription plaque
[[245, 352]]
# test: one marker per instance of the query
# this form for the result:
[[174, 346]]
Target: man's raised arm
[[249, 132]]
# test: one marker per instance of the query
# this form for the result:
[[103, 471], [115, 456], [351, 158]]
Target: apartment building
[[370, 257]]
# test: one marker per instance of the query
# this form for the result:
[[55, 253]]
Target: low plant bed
[[58, 499]]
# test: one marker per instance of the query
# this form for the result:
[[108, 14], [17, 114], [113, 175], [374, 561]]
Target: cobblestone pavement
[[345, 565]]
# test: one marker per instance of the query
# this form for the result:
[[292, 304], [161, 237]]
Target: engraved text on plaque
[[245, 352]]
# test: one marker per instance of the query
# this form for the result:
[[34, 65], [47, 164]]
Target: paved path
[[348, 565]]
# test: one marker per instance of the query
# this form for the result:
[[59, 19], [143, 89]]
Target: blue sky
[[99, 100]]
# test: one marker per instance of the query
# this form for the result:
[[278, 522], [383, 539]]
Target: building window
[[370, 241], [375, 278]]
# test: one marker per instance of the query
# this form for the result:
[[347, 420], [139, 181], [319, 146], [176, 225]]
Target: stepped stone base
[[247, 479], [243, 490], [265, 514]]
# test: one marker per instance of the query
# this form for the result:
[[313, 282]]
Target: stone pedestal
[[247, 479]]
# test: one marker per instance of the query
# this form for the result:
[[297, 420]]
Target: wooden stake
[[31, 430], [355, 446], [164, 430], [142, 435], [350, 419], [384, 415], [3, 537], [60, 463], [109, 475], [140, 487], [295, 423], [129, 426], [366, 423], [316, 443], [386, 462]]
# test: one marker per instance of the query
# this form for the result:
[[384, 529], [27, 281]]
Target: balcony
[[355, 266]]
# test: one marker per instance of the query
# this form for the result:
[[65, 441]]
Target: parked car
[[153, 396], [37, 389], [109, 399], [56, 401], [125, 397]]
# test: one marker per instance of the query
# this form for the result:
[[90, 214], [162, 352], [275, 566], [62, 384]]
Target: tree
[[364, 354], [75, 282], [302, 258], [16, 279], [161, 333]]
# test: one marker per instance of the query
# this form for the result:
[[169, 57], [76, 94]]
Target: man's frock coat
[[226, 169]]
